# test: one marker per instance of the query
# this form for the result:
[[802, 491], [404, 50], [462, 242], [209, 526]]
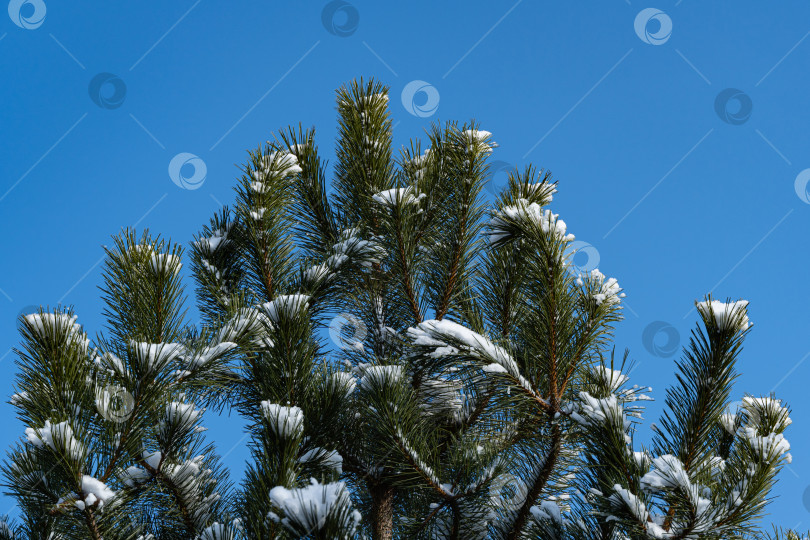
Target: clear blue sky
[[678, 191]]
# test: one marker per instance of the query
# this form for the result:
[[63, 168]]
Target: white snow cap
[[613, 377], [326, 458], [445, 334], [156, 356], [668, 473], [605, 290], [162, 262], [56, 436], [481, 138], [726, 313], [309, 507], [547, 511], [133, 476], [392, 197], [95, 492], [210, 244], [182, 415], [522, 213], [766, 408], [220, 531], [285, 305], [375, 376], [53, 324], [284, 421], [277, 162], [245, 321], [346, 380], [211, 353]]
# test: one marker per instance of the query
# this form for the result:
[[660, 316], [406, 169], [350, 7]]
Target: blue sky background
[[676, 199]]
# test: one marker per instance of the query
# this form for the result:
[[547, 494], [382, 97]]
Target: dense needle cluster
[[411, 360]]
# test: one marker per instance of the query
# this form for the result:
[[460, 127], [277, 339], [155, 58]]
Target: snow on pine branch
[[397, 196], [63, 326], [313, 507], [165, 262], [285, 306], [275, 163], [518, 217], [58, 437], [287, 422], [210, 353], [448, 338], [95, 493], [603, 291], [153, 357], [725, 313], [378, 376]]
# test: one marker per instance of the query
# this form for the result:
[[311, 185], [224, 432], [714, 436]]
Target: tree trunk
[[382, 511]]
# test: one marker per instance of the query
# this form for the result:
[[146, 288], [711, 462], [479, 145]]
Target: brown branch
[[90, 521], [382, 510], [539, 484]]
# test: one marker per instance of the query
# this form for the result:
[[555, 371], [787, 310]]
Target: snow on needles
[[287, 305], [95, 492], [284, 421], [156, 356], [395, 196], [58, 437], [605, 291], [726, 313], [446, 335], [308, 508], [526, 214], [165, 262], [59, 325]]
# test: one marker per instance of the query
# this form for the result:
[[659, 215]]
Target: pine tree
[[412, 362]]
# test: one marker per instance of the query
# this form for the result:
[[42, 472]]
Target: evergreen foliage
[[412, 362]]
